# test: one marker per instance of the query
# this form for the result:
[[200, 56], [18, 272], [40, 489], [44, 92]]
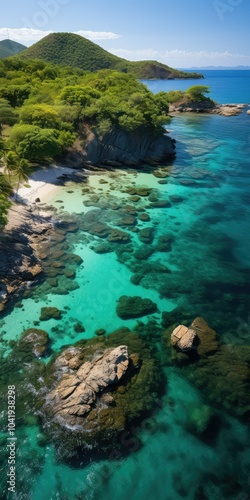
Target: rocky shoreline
[[20, 264], [207, 107]]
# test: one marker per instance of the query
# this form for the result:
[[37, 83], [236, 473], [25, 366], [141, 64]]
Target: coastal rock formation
[[220, 371], [208, 106], [146, 235], [94, 389], [76, 393], [19, 261], [129, 148], [135, 307], [50, 313], [183, 338], [198, 336], [37, 341]]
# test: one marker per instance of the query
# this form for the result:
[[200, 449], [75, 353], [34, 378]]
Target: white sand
[[42, 184]]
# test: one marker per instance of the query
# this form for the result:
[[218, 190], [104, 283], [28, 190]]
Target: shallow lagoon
[[209, 269]]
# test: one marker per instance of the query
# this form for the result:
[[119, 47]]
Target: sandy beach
[[43, 184]]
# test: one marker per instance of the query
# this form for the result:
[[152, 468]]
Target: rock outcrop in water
[[220, 371], [76, 393], [135, 307], [95, 388]]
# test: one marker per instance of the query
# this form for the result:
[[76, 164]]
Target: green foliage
[[42, 115], [78, 52], [5, 191], [79, 94], [54, 103], [9, 48], [174, 96], [7, 114], [15, 94], [34, 143], [197, 93]]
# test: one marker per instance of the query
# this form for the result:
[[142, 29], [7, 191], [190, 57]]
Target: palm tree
[[10, 160], [5, 187], [22, 170]]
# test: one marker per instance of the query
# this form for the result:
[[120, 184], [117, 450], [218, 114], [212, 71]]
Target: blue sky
[[181, 33]]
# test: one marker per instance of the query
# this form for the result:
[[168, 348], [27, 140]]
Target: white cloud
[[181, 57], [23, 35], [98, 35], [27, 36]]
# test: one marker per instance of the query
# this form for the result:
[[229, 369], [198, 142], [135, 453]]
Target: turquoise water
[[208, 265]]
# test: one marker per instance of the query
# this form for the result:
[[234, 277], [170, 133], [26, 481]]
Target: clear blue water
[[226, 86], [210, 268]]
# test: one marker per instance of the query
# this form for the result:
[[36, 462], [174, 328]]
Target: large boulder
[[76, 393], [183, 338], [95, 389], [135, 307], [198, 336]]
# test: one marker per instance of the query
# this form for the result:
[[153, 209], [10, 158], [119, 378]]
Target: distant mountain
[[218, 67], [73, 50], [10, 48]]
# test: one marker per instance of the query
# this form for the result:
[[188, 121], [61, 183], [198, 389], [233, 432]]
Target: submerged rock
[[118, 236], [135, 307], [146, 235], [49, 313], [38, 340]]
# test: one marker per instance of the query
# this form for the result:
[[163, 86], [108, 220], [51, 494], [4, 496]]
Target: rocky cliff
[[118, 148]]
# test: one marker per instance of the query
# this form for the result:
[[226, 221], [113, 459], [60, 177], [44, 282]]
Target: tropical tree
[[197, 93], [41, 115], [10, 160], [7, 114], [22, 171], [5, 191]]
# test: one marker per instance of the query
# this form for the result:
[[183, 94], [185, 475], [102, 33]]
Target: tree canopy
[[44, 108]]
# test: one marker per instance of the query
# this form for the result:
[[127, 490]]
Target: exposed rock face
[[19, 262], [94, 389], [76, 393], [207, 107], [183, 338], [198, 336], [135, 307], [130, 148], [221, 371]]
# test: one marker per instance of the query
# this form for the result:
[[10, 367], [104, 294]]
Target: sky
[[180, 33]]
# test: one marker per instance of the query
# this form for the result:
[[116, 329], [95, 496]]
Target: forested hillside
[[78, 52]]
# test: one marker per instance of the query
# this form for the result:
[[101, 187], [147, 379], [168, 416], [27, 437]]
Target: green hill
[[73, 50], [10, 48]]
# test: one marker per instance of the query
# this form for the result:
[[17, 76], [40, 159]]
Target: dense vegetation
[[195, 93], [78, 52], [10, 48], [44, 109]]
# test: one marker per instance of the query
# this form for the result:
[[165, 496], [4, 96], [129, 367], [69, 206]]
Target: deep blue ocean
[[226, 86], [196, 445]]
